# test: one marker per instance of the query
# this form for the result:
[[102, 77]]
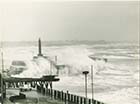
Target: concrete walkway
[[32, 98]]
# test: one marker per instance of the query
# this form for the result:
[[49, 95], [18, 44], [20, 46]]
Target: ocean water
[[114, 82]]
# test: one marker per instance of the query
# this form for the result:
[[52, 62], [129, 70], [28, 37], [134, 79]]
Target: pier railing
[[66, 96]]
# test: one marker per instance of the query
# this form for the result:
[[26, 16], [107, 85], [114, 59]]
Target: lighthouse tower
[[39, 48]]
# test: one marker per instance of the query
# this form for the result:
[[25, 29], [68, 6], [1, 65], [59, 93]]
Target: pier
[[43, 86], [7, 83]]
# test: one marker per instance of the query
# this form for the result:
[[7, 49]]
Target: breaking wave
[[75, 60]]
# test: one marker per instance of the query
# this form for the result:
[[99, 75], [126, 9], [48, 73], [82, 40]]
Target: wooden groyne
[[66, 96]]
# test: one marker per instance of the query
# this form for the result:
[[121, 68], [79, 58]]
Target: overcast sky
[[76, 20]]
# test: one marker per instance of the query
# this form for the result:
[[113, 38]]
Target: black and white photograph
[[69, 51]]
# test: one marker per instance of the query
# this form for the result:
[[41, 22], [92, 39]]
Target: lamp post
[[85, 73], [92, 82], [2, 79], [57, 72]]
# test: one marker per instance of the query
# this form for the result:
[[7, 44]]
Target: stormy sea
[[115, 67]]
